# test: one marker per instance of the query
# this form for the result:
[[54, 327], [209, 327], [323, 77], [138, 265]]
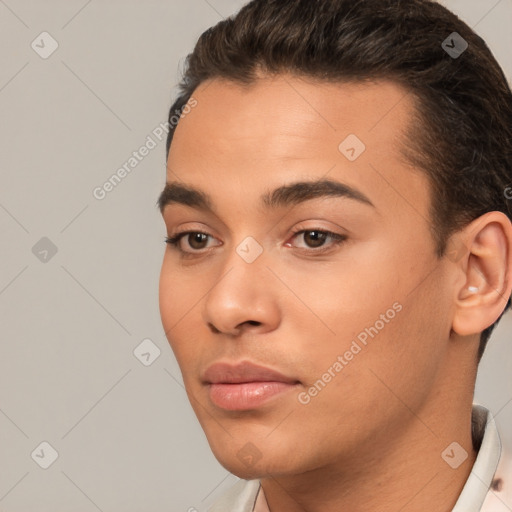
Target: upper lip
[[225, 373]]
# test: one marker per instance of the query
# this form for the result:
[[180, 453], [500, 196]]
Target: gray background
[[125, 434]]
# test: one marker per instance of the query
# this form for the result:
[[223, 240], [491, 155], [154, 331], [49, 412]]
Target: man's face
[[356, 324]]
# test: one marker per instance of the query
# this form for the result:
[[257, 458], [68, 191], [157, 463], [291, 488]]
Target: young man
[[340, 248]]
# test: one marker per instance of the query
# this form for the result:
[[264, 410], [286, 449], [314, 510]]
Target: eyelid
[[175, 239], [336, 240]]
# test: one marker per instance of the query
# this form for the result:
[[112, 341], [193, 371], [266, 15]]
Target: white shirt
[[487, 489]]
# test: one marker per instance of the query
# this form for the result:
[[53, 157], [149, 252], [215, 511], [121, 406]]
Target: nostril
[[213, 328]]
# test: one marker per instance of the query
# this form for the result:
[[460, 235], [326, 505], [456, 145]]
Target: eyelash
[[338, 239]]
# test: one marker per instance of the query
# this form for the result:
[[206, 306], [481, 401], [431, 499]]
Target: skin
[[372, 438]]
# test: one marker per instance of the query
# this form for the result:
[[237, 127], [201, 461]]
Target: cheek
[[385, 331], [165, 286], [176, 305], [359, 389], [349, 296], [179, 293]]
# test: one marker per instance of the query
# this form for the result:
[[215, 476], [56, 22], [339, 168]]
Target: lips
[[223, 373], [245, 385]]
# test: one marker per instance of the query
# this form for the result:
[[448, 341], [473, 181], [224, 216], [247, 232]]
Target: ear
[[487, 273]]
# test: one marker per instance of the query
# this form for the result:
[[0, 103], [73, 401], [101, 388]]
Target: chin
[[238, 462], [249, 463]]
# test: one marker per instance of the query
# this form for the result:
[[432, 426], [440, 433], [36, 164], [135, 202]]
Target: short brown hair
[[462, 135]]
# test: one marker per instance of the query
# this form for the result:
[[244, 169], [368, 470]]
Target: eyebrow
[[286, 195]]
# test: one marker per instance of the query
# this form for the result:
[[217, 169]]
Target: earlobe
[[487, 267]]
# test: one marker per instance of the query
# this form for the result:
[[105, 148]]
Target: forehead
[[296, 107], [243, 138]]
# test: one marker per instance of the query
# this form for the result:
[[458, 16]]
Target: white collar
[[479, 481]]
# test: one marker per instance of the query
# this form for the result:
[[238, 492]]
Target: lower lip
[[246, 395]]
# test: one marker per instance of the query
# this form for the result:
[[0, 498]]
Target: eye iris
[[196, 237], [318, 238]]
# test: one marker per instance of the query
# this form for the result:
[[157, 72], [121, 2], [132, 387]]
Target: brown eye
[[314, 240], [316, 237], [196, 239]]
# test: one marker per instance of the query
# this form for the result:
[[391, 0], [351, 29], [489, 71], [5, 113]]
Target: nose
[[243, 299]]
